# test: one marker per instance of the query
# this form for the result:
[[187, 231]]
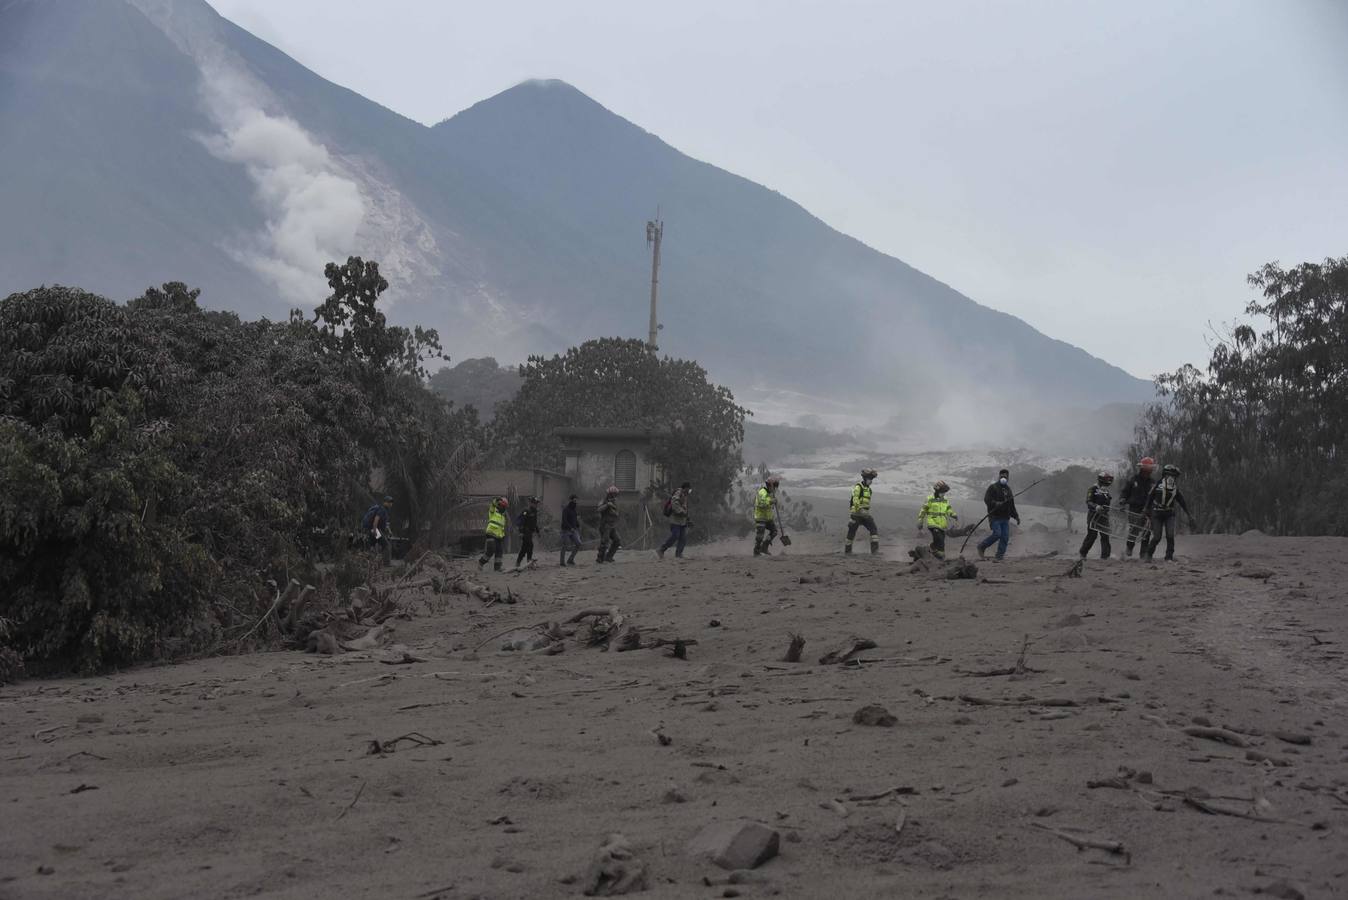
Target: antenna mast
[[655, 230]]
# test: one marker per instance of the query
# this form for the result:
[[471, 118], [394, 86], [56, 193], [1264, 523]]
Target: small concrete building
[[599, 457], [551, 488]]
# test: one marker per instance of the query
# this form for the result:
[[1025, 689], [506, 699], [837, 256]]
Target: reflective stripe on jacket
[[936, 513], [861, 499], [765, 506], [496, 522]]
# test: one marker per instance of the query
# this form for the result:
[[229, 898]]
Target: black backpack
[[669, 507]]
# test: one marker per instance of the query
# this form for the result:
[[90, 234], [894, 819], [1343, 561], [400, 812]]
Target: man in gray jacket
[[677, 510]]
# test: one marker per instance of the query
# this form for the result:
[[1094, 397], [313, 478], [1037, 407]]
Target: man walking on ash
[[676, 507], [609, 540], [1098, 500], [496, 531], [1001, 503], [378, 528], [859, 513], [570, 532], [527, 523]]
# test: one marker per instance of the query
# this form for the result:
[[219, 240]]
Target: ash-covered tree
[[1260, 435], [158, 462], [617, 382], [479, 383]]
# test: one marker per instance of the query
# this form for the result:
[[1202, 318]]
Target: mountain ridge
[[513, 226]]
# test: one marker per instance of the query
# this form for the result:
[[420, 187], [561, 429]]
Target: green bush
[[159, 462]]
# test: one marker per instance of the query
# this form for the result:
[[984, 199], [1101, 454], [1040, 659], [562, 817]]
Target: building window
[[625, 470]]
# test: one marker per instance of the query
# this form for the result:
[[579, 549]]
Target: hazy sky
[[1108, 171]]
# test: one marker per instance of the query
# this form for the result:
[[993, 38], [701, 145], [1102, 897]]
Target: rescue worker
[[1134, 495], [609, 541], [678, 521], [1098, 501], [765, 515], [378, 528], [859, 512], [527, 523], [1161, 502], [496, 529], [1001, 503], [936, 515], [570, 531]]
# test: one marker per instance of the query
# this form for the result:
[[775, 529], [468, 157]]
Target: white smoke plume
[[313, 208], [313, 212]]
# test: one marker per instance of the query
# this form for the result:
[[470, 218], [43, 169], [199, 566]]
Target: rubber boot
[[847, 549], [875, 547]]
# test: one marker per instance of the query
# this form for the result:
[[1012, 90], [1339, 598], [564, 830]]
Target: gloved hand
[[1017, 520]]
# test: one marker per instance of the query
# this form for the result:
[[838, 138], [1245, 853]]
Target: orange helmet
[[502, 502]]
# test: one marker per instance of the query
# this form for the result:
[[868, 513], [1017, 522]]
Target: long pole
[[985, 518], [655, 230]]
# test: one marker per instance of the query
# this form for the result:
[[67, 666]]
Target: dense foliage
[[1260, 435], [615, 382], [480, 383], [158, 462]]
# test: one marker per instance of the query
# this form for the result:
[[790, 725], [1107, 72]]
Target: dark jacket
[[527, 522], [1098, 500], [1136, 491], [375, 517], [570, 518], [608, 513], [1000, 501]]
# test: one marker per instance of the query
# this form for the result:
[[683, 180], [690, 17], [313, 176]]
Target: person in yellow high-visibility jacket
[[765, 515], [859, 512], [936, 515], [496, 530]]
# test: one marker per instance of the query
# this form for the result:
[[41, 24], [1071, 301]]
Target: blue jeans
[[1001, 536], [678, 534]]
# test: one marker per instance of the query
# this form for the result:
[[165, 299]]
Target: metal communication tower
[[655, 231]]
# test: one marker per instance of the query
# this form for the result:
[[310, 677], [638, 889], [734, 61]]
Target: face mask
[[1001, 481]]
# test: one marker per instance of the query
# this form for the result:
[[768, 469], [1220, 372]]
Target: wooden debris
[[1216, 734], [1074, 570], [1022, 701], [848, 649], [1114, 848], [379, 748], [349, 806], [1257, 756], [1018, 669], [871, 798]]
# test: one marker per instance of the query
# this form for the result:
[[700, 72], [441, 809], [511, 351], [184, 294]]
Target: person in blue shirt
[[378, 527]]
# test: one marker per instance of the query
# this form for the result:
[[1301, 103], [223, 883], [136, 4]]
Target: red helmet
[[502, 502], [1146, 463], [612, 489]]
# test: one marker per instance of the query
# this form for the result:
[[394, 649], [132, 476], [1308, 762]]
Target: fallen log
[[1115, 848], [1216, 734], [846, 651]]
